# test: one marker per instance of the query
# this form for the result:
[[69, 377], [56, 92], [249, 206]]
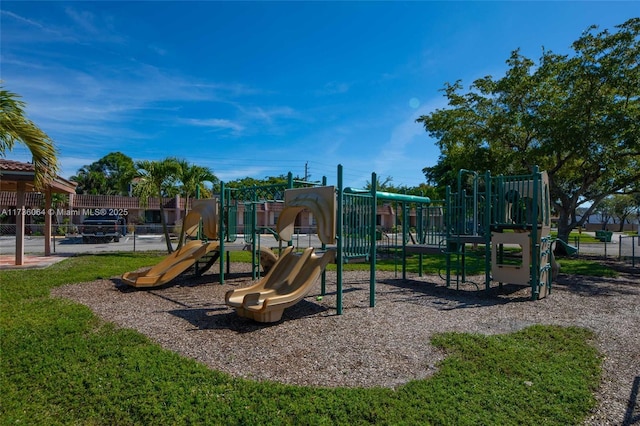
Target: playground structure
[[203, 212], [293, 275], [250, 198], [500, 212], [499, 215]]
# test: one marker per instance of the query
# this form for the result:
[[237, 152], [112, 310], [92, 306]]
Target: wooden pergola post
[[19, 178], [20, 213], [47, 222]]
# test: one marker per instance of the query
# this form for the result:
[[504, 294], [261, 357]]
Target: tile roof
[[105, 201], [32, 199], [123, 202], [14, 171], [16, 166]]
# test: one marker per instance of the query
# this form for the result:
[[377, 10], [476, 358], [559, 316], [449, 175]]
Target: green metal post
[[339, 243], [461, 246], [395, 242], [498, 206], [500, 212], [372, 237], [183, 237], [535, 247], [487, 231], [222, 232], [448, 221], [199, 236], [323, 277], [420, 234], [405, 234], [254, 232]]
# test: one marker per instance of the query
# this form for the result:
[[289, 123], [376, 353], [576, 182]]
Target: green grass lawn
[[60, 364], [576, 236], [573, 266]]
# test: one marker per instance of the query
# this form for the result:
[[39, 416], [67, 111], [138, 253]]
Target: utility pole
[[306, 171]]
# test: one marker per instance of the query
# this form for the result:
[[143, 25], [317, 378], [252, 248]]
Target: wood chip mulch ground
[[383, 346]]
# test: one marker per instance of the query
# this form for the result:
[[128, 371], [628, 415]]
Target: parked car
[[102, 228]]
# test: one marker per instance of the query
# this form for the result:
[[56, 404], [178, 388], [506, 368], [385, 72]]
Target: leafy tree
[[622, 207], [605, 210], [111, 175], [249, 188], [154, 177], [90, 181], [578, 117], [16, 127], [119, 170], [244, 182], [636, 202], [192, 178], [268, 180], [381, 185], [422, 190]]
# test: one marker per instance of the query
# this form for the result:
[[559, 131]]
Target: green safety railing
[[430, 223], [356, 226]]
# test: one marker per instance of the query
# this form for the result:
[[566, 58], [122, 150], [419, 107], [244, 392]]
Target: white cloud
[[69, 165], [83, 19], [157, 49], [333, 88], [408, 148], [267, 115], [35, 30], [214, 123]]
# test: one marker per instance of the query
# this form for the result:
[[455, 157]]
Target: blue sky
[[263, 88]]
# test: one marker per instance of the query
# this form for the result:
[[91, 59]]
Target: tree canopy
[[247, 182], [576, 116], [153, 179], [193, 178], [110, 175], [623, 208], [16, 127]]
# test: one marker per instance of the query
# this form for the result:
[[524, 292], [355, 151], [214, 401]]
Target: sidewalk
[[29, 261]]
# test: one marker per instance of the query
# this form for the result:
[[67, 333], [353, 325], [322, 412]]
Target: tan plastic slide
[[288, 282], [207, 210], [171, 266], [183, 258], [267, 259]]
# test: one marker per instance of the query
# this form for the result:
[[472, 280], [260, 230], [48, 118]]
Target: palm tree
[[16, 127], [154, 178], [192, 178], [90, 181]]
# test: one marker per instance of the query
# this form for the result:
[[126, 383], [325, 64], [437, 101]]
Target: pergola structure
[[19, 178]]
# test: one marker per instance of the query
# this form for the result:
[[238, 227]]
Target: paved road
[[128, 243], [620, 245], [72, 245]]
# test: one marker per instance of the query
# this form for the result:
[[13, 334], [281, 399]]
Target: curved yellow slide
[[288, 282], [171, 266], [183, 258], [267, 259]]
